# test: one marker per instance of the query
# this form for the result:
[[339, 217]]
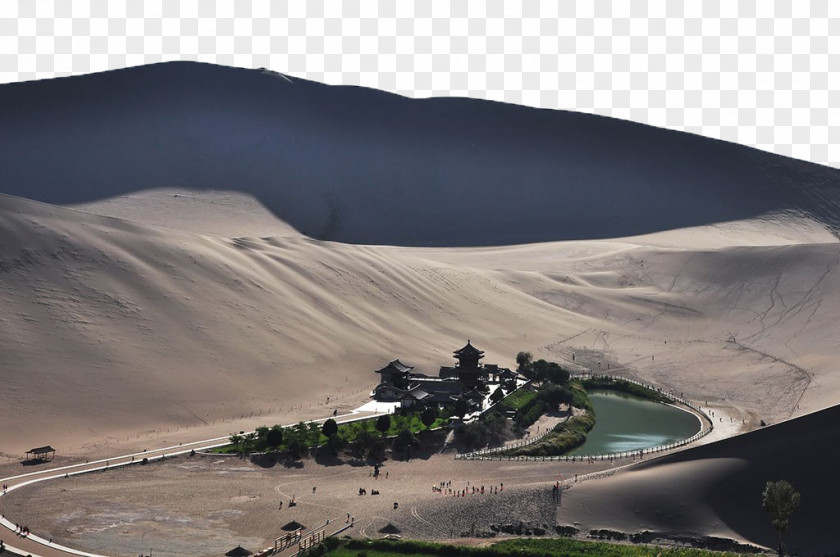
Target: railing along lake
[[495, 453]]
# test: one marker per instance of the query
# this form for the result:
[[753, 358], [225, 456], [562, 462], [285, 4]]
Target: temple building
[[468, 370], [468, 379]]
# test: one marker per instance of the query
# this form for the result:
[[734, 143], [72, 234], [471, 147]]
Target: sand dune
[[716, 489], [152, 326], [214, 213], [358, 165], [184, 285], [109, 323]]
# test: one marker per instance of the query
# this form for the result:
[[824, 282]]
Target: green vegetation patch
[[563, 438], [624, 386], [573, 548], [580, 399], [297, 439], [531, 412], [519, 399]]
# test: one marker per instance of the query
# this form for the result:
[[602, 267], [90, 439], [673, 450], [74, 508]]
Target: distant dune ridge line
[[362, 166]]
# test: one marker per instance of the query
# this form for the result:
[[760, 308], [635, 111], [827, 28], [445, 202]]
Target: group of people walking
[[445, 488]]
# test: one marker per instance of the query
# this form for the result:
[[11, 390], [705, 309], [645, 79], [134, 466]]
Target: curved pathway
[[37, 546]]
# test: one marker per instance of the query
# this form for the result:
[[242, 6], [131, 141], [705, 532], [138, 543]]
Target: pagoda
[[468, 370]]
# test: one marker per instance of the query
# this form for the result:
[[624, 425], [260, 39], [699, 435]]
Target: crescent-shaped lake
[[629, 423]]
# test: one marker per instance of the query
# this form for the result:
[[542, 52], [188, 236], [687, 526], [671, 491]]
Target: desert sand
[[168, 286], [201, 329]]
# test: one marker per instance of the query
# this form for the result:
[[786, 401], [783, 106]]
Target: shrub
[[566, 531], [554, 395], [607, 535], [531, 412], [564, 437]]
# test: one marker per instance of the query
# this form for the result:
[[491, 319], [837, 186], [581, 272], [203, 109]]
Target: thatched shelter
[[292, 526]]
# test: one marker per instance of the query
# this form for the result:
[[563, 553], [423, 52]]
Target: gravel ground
[[201, 505]]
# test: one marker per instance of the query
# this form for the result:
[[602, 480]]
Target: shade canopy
[[292, 526], [41, 450], [238, 551], [389, 529]]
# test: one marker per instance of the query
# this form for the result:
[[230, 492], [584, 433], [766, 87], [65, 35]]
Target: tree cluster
[[487, 430], [541, 370]]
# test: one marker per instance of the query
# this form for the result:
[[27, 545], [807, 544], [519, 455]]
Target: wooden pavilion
[[41, 453]]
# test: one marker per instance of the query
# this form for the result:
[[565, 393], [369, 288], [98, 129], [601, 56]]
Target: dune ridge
[[358, 165]]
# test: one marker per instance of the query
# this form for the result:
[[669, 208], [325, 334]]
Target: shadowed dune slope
[[716, 489], [362, 166]]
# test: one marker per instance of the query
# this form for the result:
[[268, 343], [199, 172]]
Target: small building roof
[[469, 350], [395, 366], [417, 393], [41, 450], [434, 385]]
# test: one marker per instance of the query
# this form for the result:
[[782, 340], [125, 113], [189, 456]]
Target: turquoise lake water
[[629, 423]]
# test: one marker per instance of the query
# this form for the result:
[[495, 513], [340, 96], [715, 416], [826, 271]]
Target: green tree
[[329, 428], [370, 443], [296, 444], [235, 440], [428, 417], [780, 499], [383, 424], [523, 360], [274, 437], [405, 441], [539, 370], [313, 433], [262, 436], [336, 443], [554, 395], [556, 374], [496, 426], [249, 443], [473, 435], [461, 408], [497, 395]]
